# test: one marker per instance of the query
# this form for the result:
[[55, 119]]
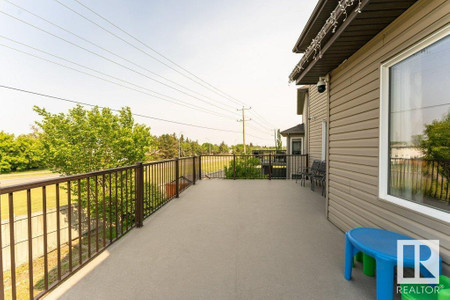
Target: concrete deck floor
[[223, 239]]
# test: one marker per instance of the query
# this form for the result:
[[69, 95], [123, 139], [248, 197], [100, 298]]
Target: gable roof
[[297, 129], [337, 43]]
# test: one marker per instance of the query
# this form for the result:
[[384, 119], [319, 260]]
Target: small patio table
[[382, 246]]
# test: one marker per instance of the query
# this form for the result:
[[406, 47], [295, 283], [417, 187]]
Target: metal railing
[[253, 166], [420, 178], [69, 220], [87, 213]]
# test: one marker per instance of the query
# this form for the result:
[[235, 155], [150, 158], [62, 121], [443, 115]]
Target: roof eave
[[302, 43]]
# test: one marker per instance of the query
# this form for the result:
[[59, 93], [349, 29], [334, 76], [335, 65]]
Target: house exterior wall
[[288, 144], [354, 132], [317, 113]]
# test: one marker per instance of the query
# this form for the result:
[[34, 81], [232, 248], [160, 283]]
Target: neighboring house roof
[[297, 129], [334, 44]]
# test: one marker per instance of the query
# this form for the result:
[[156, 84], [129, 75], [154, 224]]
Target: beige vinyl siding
[[318, 112], [354, 131]]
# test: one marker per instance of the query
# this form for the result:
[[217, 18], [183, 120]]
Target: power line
[[130, 44], [171, 99], [115, 54], [222, 93], [105, 58], [263, 119], [157, 52], [257, 129], [112, 61], [262, 125], [116, 110]]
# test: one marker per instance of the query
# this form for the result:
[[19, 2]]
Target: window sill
[[425, 210]]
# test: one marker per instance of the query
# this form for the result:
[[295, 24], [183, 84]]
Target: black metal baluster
[[58, 233], [110, 211], [96, 213], [89, 215], [30, 248], [116, 203], [44, 221], [69, 219], [126, 199], [80, 228], [2, 286], [12, 245]]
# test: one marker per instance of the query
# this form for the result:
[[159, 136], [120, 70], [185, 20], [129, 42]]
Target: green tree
[[436, 140], [30, 152], [279, 140], [167, 146], [7, 152], [19, 154], [245, 168], [223, 148], [435, 143], [83, 140], [206, 148], [238, 148]]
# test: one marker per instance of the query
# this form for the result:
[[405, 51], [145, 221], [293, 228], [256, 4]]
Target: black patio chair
[[305, 173], [319, 177]]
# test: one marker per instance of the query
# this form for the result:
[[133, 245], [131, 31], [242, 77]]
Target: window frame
[[384, 128], [302, 151]]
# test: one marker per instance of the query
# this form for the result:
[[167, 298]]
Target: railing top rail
[[167, 160], [186, 157], [159, 161], [62, 179], [256, 154]]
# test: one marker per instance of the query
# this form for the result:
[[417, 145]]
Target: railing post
[[200, 167], [177, 177], [270, 166], [139, 195], [234, 166], [193, 169]]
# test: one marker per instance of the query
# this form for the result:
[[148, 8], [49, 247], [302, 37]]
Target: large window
[[415, 127]]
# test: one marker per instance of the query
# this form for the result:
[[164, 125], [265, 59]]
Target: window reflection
[[419, 127]]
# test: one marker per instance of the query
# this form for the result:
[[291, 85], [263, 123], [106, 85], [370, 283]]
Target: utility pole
[[275, 137], [243, 109]]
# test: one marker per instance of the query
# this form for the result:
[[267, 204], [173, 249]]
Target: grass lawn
[[26, 175], [20, 198], [159, 173]]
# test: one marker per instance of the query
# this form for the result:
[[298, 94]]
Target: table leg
[[349, 249], [385, 280]]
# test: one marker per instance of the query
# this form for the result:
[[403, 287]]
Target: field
[[20, 204]]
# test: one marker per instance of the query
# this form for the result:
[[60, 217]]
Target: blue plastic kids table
[[382, 246]]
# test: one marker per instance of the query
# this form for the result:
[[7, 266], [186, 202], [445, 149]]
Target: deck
[[225, 239]]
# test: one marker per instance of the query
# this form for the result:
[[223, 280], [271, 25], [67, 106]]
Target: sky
[[243, 48]]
